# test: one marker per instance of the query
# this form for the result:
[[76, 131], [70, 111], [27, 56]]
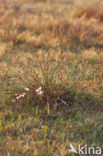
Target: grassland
[[51, 77]]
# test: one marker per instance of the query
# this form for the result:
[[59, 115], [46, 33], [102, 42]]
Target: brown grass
[[61, 54], [94, 11]]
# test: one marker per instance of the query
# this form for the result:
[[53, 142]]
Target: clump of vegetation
[[50, 77]]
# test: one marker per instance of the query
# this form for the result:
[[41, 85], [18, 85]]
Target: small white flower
[[16, 94], [21, 95], [26, 89], [39, 91]]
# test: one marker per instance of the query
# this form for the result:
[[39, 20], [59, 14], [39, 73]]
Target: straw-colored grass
[[51, 77]]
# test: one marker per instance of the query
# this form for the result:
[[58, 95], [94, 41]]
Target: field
[[51, 76]]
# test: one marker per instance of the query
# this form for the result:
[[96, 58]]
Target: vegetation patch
[[51, 77]]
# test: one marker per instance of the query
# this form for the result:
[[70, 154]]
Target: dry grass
[[91, 10], [95, 11], [60, 51]]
